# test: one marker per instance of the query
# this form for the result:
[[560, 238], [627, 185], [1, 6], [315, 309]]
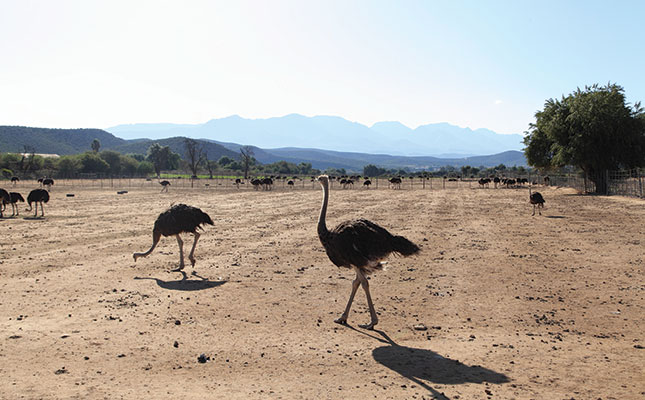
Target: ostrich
[[5, 198], [537, 200], [496, 180], [267, 183], [48, 182], [164, 185], [177, 219], [290, 183], [256, 183], [15, 197], [14, 180], [38, 196], [367, 183], [361, 245], [395, 182]]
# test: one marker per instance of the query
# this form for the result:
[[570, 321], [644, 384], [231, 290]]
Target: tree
[[373, 170], [113, 159], [96, 145], [162, 158], [69, 166], [246, 157], [593, 129], [92, 163], [194, 155]]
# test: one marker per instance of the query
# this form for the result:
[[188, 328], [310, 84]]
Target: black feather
[[181, 218], [536, 198], [38, 195]]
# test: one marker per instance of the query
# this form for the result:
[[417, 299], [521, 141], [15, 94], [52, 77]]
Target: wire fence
[[619, 182]]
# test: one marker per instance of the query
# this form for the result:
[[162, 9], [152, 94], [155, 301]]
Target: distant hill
[[56, 141], [73, 141], [335, 133]]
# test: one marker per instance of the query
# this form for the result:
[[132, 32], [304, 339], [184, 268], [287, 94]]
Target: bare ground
[[515, 306]]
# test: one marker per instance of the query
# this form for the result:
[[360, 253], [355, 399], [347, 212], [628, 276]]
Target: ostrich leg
[[533, 210], [192, 251], [181, 254], [343, 318], [155, 239], [366, 288], [36, 209], [42, 209]]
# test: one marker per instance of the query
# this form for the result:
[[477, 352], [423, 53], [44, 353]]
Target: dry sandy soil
[[516, 307]]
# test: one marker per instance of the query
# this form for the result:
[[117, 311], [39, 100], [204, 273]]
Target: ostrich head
[[323, 180]]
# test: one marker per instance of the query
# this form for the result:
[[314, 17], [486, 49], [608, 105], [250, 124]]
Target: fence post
[[607, 181], [640, 183]]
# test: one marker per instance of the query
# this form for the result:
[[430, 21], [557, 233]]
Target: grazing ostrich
[[537, 200], [256, 183], [5, 198], [267, 183], [177, 219], [164, 185], [15, 197], [14, 180], [48, 182], [395, 183], [361, 245], [367, 183], [290, 183], [38, 196]]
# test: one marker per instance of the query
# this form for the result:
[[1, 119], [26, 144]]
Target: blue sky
[[477, 64]]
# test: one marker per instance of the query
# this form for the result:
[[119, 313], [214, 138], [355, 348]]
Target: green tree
[[114, 161], [69, 166], [594, 129], [224, 161], [92, 163], [373, 170], [96, 145], [145, 168], [162, 158], [129, 165]]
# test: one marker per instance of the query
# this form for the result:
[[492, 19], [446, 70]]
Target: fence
[[619, 182]]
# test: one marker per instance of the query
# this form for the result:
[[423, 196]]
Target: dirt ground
[[516, 307]]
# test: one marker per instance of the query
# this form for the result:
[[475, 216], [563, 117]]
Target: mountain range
[[335, 133], [322, 141]]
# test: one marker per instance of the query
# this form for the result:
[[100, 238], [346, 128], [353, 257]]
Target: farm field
[[516, 307]]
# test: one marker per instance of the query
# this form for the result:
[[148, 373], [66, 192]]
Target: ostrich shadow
[[422, 366], [555, 216], [185, 284]]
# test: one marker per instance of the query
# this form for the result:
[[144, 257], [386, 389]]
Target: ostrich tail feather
[[404, 247]]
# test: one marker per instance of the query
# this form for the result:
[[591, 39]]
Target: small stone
[[177, 322], [202, 358], [420, 327], [176, 344]]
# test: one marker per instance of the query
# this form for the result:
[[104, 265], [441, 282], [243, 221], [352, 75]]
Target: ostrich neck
[[322, 226]]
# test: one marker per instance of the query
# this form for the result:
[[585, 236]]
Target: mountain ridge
[[335, 133]]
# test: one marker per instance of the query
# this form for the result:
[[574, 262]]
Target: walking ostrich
[[177, 219], [15, 197], [164, 185], [537, 200], [14, 180], [361, 245], [5, 198], [38, 196], [367, 183]]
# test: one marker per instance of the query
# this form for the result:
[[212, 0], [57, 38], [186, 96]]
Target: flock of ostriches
[[358, 244], [36, 196]]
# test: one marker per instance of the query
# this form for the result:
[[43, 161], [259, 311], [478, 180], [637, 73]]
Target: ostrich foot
[[192, 261], [369, 326], [342, 320], [179, 268]]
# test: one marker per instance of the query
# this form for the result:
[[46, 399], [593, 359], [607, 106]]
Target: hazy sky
[[480, 64]]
